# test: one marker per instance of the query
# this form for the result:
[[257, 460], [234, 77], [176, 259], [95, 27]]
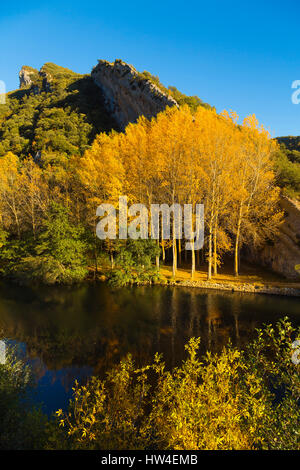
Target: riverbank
[[250, 288], [253, 281], [246, 284]]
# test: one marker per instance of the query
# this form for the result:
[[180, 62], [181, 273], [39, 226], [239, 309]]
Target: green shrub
[[22, 426], [230, 400]]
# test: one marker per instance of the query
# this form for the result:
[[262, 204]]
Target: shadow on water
[[69, 333]]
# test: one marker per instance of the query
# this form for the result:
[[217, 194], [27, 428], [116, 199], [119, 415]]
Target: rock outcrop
[[127, 93], [43, 79], [27, 75], [283, 257]]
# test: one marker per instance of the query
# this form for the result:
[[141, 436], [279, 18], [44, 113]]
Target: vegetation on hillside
[[180, 156], [287, 163], [60, 114], [292, 143], [185, 157], [54, 153], [192, 101]]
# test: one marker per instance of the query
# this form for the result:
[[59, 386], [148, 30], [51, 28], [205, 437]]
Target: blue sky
[[234, 55]]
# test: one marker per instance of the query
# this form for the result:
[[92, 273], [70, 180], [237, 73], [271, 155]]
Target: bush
[[134, 263], [231, 400], [21, 425], [48, 270], [288, 173]]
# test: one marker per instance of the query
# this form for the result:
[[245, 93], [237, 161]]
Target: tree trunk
[[174, 250], [18, 225], [179, 251], [112, 260], [163, 245], [33, 229], [198, 257], [174, 247], [96, 260], [209, 254], [33, 218], [174, 257], [215, 251], [193, 259], [237, 243], [236, 257]]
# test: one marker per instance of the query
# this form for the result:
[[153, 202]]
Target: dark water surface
[[71, 333]]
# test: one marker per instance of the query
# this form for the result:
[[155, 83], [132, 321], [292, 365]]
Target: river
[[69, 333]]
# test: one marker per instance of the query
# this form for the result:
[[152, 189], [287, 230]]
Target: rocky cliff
[[43, 79], [27, 76], [127, 93], [283, 256]]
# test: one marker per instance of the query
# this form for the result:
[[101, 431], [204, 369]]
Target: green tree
[[60, 251]]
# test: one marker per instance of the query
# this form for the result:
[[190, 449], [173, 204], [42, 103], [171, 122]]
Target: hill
[[288, 166], [57, 114], [57, 111], [292, 143]]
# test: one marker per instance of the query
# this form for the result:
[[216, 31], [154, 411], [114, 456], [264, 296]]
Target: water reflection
[[73, 332]]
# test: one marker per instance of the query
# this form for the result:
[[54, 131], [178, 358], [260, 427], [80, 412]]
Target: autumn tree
[[255, 214], [10, 193], [34, 194], [101, 173]]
